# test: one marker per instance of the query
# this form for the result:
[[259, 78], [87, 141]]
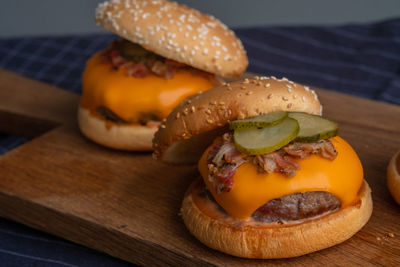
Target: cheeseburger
[[166, 52], [276, 179]]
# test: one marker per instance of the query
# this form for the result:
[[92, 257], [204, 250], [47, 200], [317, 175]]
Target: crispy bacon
[[324, 148], [277, 162], [138, 70], [162, 69], [223, 159], [116, 59], [155, 64]]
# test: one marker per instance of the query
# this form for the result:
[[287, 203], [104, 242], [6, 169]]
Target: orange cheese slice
[[342, 177], [128, 96]]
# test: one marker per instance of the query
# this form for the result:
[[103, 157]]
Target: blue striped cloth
[[362, 60]]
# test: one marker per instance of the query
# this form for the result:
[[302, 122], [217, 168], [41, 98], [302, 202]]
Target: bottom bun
[[393, 176], [119, 136], [269, 241]]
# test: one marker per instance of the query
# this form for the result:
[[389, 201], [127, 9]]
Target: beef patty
[[296, 207], [293, 207], [142, 119]]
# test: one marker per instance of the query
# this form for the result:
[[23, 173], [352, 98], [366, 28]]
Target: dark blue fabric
[[362, 60]]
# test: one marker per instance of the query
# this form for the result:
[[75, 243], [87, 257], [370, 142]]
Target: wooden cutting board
[[127, 204]]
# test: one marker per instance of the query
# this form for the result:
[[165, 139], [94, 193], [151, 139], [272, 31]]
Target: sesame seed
[[249, 93], [289, 105], [213, 102], [284, 98], [303, 98], [307, 88], [178, 115], [243, 87], [246, 80], [269, 96], [193, 109], [208, 111], [294, 96], [267, 85], [205, 51], [162, 126], [201, 107], [228, 58], [209, 121]]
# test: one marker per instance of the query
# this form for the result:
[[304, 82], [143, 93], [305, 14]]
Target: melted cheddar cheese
[[129, 97], [342, 177]]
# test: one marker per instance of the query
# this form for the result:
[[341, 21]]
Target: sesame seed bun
[[177, 32], [192, 126], [271, 241], [393, 176], [132, 137]]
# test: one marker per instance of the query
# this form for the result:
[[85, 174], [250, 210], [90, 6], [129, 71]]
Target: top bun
[[177, 32], [195, 123]]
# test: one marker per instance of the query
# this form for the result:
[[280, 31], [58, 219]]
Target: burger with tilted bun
[[276, 180], [166, 52]]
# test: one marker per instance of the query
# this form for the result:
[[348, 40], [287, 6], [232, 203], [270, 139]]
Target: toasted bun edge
[[282, 242]]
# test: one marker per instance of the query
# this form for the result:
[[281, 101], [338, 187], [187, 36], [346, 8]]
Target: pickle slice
[[261, 141], [260, 121], [313, 127], [132, 51]]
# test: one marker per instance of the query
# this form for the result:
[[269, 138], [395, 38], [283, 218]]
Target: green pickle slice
[[313, 127], [132, 51], [255, 141], [260, 121]]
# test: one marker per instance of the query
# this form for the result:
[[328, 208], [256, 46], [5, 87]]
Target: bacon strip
[[324, 148], [159, 66]]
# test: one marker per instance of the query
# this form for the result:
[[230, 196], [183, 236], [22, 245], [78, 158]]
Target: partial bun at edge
[[177, 32], [177, 140], [393, 177], [263, 242], [123, 137]]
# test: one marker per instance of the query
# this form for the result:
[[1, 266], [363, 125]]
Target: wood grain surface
[[127, 204]]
